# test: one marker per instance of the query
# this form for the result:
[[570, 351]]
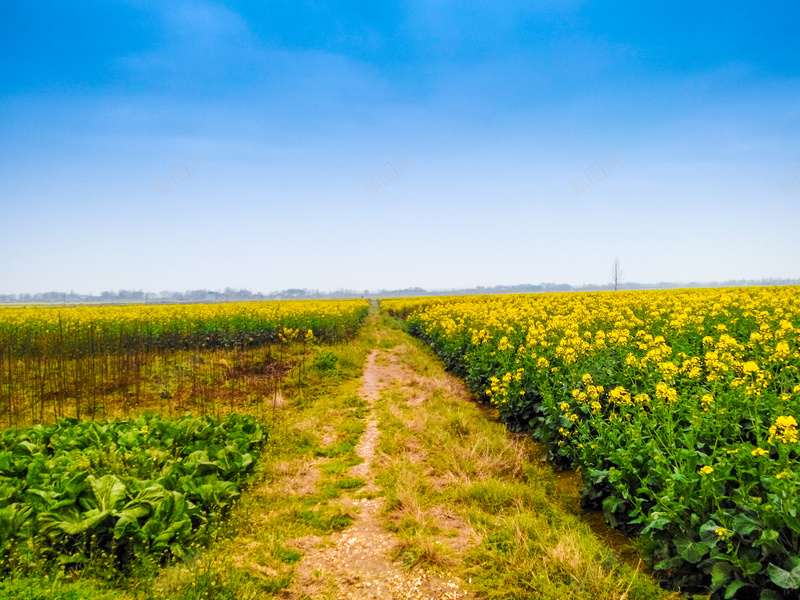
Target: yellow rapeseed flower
[[784, 430]]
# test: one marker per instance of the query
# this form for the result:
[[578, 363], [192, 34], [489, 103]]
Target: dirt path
[[359, 561]]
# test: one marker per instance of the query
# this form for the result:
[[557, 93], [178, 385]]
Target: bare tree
[[616, 274]]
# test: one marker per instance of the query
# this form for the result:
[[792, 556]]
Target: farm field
[[103, 470], [384, 300], [679, 408], [376, 476], [109, 361], [95, 493]]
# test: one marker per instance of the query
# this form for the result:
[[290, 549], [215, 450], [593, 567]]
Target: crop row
[[73, 492], [72, 332], [680, 408], [81, 361]]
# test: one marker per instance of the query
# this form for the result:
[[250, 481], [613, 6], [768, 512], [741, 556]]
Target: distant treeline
[[231, 295], [139, 297]]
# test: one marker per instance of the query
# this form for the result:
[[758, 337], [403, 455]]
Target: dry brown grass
[[298, 477]]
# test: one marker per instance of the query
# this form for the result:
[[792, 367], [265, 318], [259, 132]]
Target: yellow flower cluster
[[269, 311], [784, 430], [293, 318], [559, 332]]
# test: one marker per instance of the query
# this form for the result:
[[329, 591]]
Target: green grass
[[49, 588]]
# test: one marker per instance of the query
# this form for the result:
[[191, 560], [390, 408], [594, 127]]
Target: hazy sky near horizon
[[175, 145]]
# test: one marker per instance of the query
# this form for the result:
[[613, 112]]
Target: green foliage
[[683, 425], [325, 360], [48, 588], [350, 483], [91, 493], [211, 580], [325, 518]]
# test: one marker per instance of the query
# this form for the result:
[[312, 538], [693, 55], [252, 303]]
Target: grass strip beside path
[[465, 496]]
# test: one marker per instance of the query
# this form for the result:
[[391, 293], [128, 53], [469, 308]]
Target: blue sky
[[266, 145]]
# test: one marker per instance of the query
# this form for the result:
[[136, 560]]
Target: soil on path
[[359, 562]]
